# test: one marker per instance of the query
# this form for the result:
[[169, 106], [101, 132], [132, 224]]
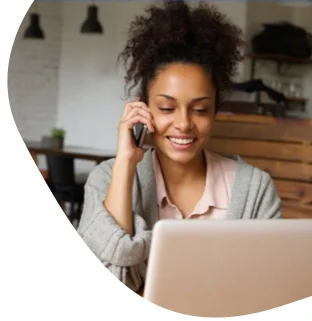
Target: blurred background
[[66, 91]]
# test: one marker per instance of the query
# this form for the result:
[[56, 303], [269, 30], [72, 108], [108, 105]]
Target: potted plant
[[58, 135]]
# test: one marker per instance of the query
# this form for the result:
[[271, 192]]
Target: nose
[[183, 121]]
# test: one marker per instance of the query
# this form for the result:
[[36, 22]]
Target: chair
[[46, 141], [61, 174]]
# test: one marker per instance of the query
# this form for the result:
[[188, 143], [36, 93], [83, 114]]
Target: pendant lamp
[[34, 31], [91, 25]]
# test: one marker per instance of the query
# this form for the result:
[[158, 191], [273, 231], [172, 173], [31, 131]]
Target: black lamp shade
[[92, 24], [34, 31]]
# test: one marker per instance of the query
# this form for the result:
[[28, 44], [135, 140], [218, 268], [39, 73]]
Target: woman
[[183, 59]]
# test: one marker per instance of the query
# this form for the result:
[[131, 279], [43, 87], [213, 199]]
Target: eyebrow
[[193, 100]]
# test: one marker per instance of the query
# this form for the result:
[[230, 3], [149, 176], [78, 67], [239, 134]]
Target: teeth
[[181, 141]]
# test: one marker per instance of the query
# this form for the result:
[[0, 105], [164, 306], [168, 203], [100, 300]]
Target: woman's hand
[[135, 112], [118, 201]]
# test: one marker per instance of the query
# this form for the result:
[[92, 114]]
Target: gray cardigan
[[253, 197]]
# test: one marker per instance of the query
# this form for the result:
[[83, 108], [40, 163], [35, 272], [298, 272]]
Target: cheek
[[162, 123], [204, 126]]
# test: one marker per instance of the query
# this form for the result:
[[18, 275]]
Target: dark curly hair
[[176, 33]]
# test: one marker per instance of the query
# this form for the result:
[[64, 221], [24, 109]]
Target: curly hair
[[176, 33]]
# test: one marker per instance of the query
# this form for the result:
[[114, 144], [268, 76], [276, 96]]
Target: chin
[[179, 156]]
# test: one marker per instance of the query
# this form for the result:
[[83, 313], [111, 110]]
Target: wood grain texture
[[261, 119], [290, 210], [292, 190], [263, 132], [262, 149], [282, 169], [281, 147]]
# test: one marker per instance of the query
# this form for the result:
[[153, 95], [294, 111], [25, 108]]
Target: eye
[[166, 109], [200, 110]]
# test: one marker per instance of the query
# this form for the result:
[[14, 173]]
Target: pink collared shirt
[[216, 196]]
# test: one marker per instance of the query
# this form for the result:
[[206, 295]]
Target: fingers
[[139, 115], [132, 105], [130, 123], [137, 112]]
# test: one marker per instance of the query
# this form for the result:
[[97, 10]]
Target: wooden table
[[98, 155], [140, 292]]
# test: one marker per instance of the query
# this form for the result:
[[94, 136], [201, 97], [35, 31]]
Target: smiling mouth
[[181, 141]]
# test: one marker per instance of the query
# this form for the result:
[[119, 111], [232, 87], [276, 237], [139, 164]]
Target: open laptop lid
[[228, 268]]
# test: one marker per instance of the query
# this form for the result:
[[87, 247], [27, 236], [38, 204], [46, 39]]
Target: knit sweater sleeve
[[124, 255], [268, 203]]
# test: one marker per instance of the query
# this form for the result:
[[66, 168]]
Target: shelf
[[252, 108], [280, 58], [297, 100]]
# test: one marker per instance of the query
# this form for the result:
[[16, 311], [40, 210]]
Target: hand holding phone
[[135, 124], [140, 132]]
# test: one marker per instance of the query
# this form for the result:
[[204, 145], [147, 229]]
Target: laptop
[[229, 268]]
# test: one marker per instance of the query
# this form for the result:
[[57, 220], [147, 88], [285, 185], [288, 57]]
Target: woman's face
[[182, 103]]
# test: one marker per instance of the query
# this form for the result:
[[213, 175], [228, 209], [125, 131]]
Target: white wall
[[89, 104], [237, 12], [33, 75], [91, 85]]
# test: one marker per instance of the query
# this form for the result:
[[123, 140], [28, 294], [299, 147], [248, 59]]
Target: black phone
[[140, 131]]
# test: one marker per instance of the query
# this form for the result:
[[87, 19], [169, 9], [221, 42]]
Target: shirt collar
[[215, 192], [160, 183]]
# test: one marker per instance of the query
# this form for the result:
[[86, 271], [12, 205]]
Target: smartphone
[[140, 132]]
